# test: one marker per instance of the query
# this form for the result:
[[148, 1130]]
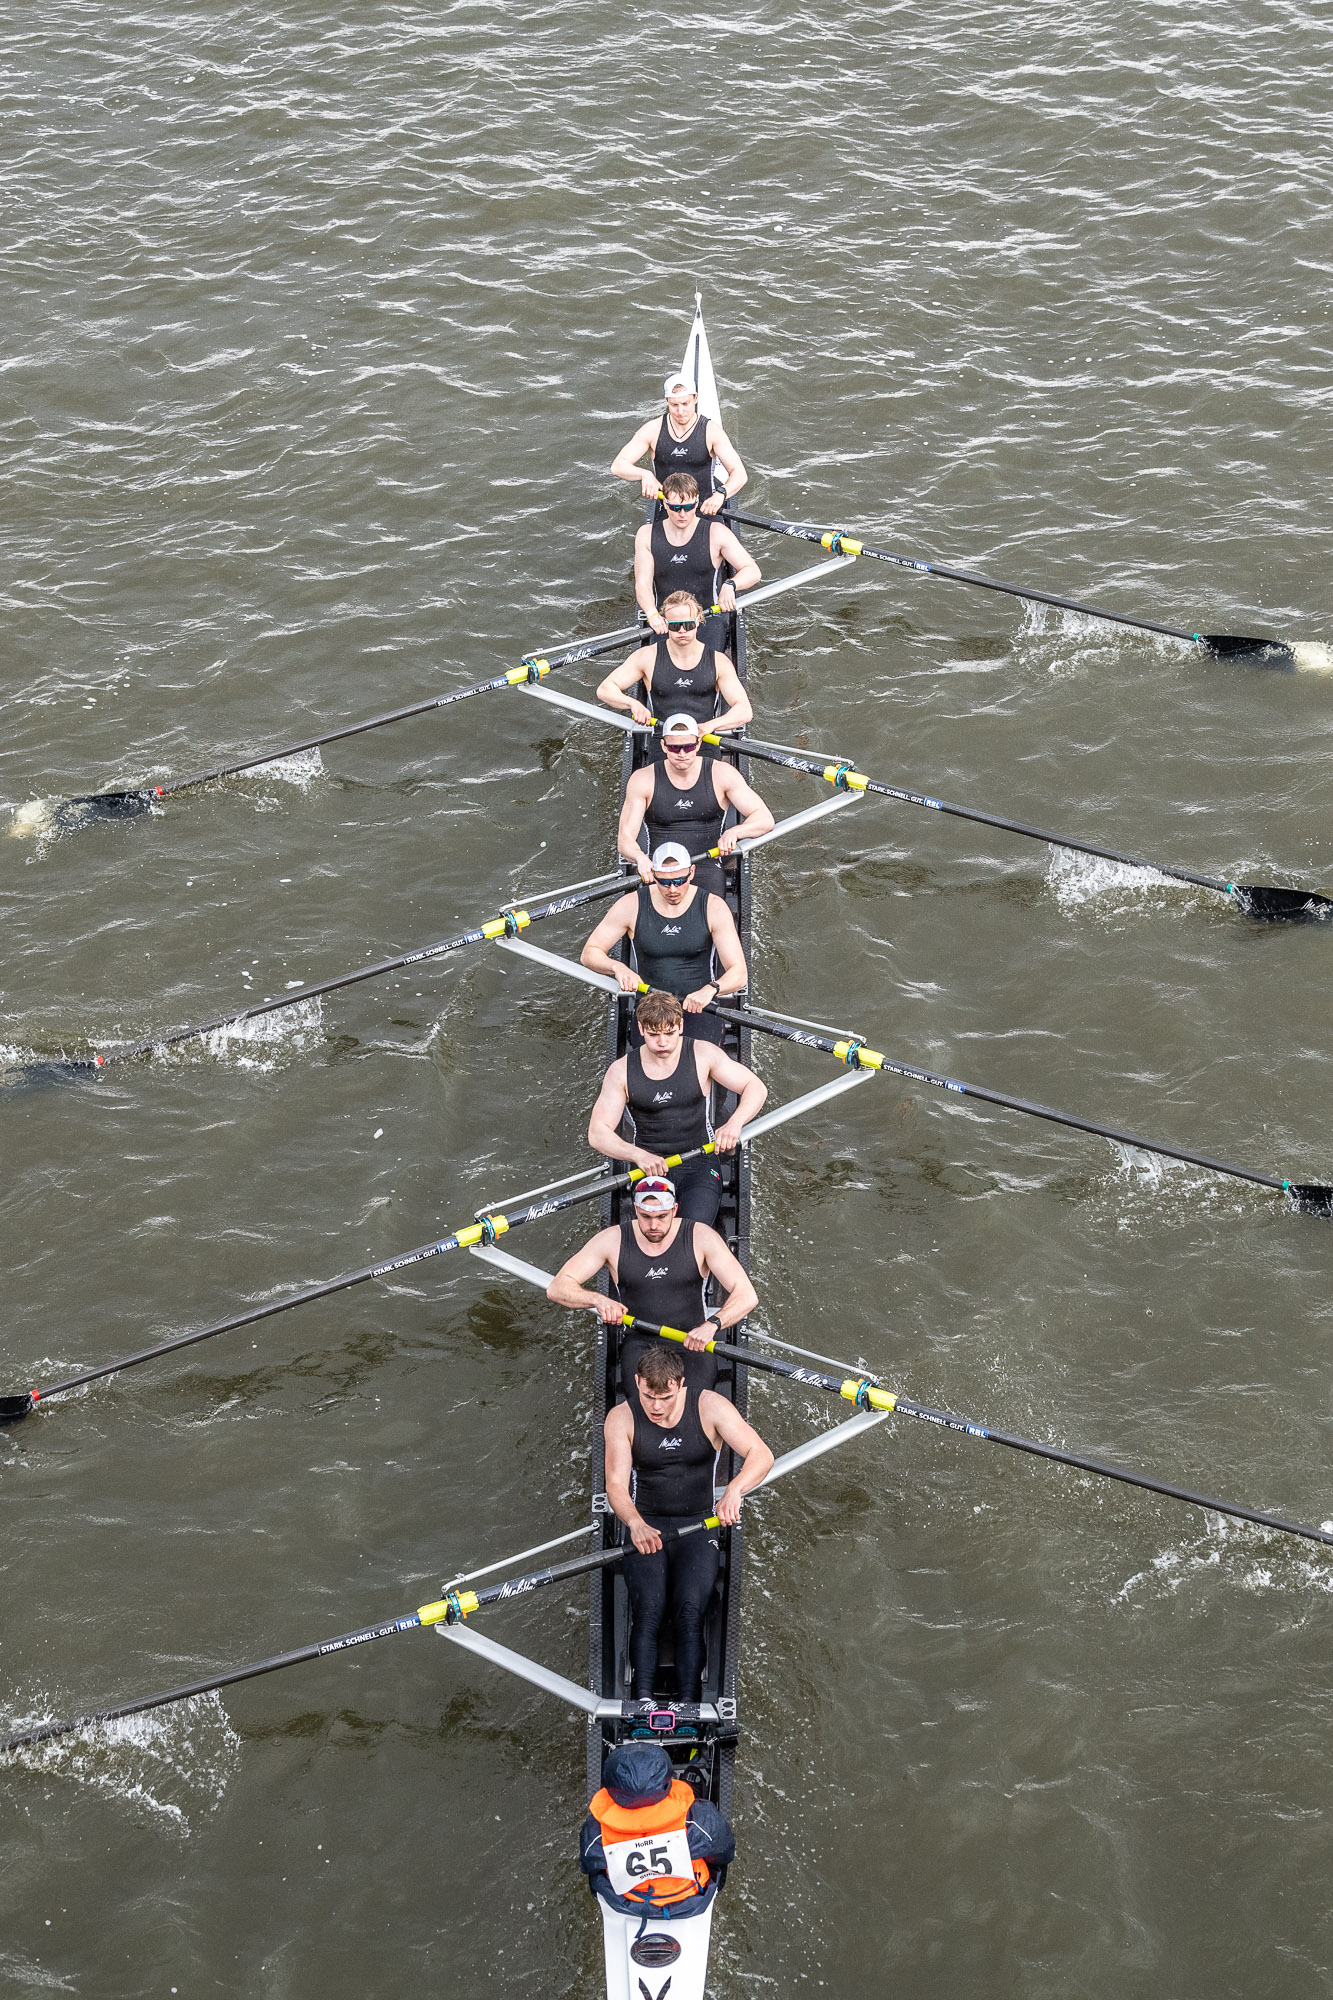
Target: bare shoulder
[[619, 1422], [718, 914]]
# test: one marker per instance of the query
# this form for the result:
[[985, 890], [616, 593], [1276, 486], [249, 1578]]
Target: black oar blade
[[13, 1409], [1310, 1198], [44, 817], [1268, 905], [21, 1076], [1237, 646]]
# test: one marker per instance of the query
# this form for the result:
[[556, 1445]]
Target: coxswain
[[661, 1454], [682, 441], [685, 799], [664, 1085], [650, 1841], [679, 675], [659, 1266], [683, 552], [684, 941]]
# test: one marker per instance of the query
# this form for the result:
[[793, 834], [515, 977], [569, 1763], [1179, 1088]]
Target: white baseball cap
[[675, 383], [672, 855], [681, 725], [654, 1195]]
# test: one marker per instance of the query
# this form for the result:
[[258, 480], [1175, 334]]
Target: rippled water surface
[[322, 328]]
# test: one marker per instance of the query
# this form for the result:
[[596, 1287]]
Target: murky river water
[[322, 327]]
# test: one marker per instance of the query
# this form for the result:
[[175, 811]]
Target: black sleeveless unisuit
[[687, 567], [678, 691], [673, 1468], [692, 814], [687, 454], [666, 1287], [670, 1113], [674, 953]]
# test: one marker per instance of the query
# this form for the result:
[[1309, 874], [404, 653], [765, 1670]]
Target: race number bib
[[631, 1864]]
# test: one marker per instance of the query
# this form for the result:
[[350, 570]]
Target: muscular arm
[[723, 1070], [615, 689], [727, 945], [635, 805], [625, 464], [618, 1432], [596, 953], [643, 579], [568, 1286], [738, 711], [723, 1421], [724, 547], [604, 1125], [724, 451], [753, 816], [718, 1262]]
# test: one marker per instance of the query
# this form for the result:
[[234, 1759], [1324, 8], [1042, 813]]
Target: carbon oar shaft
[[534, 667], [1267, 903], [1311, 1198], [1274, 652], [861, 1391]]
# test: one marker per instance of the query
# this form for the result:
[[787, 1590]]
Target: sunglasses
[[680, 506], [671, 881], [681, 624], [681, 749]]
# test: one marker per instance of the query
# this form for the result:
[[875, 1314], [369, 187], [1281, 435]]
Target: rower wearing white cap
[[683, 552], [679, 675], [659, 1265], [665, 1086], [682, 441], [684, 938], [685, 799]]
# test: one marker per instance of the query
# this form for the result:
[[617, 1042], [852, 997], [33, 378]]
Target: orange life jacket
[[631, 1828]]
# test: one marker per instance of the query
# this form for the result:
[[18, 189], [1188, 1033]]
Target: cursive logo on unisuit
[[671, 930], [656, 1271], [670, 1444], [663, 1096]]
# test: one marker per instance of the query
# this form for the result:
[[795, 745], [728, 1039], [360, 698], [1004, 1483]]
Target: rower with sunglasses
[[684, 940], [686, 798], [679, 676], [683, 441], [682, 552]]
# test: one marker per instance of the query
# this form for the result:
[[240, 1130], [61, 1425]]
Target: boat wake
[[168, 1767], [1082, 881]]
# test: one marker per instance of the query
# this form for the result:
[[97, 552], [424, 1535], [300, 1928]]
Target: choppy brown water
[[321, 331]]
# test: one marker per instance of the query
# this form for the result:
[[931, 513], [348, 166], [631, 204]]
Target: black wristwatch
[[713, 1320]]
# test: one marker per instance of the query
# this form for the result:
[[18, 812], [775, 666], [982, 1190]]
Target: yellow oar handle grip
[[670, 1333], [456, 1605], [506, 926], [484, 1231], [840, 545], [535, 669]]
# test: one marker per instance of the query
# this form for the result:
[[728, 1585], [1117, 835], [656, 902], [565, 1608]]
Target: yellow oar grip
[[431, 1614], [865, 1058], [668, 1333], [477, 1232], [517, 920], [535, 666], [841, 545], [845, 780], [855, 1390]]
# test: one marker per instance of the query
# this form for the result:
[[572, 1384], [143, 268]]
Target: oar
[[509, 925], [861, 1391], [1310, 1197], [1223, 645], [450, 1609], [70, 815], [1264, 901], [484, 1229]]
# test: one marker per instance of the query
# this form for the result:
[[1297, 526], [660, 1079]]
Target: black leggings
[[698, 1186], [681, 1574]]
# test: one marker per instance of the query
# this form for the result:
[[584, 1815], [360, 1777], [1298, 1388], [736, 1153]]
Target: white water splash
[[1312, 658], [1080, 880], [35, 820], [265, 1042], [171, 1764], [301, 770], [1233, 1549]]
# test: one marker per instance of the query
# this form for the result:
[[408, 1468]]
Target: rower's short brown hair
[[659, 1366], [679, 598], [680, 486], [658, 1012]]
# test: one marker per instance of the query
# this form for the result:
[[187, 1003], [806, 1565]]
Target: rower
[[679, 676], [659, 1265], [661, 1454], [682, 441], [681, 932], [684, 799], [682, 552], [649, 1839], [664, 1086]]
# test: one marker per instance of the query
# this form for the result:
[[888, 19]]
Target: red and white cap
[[654, 1195]]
